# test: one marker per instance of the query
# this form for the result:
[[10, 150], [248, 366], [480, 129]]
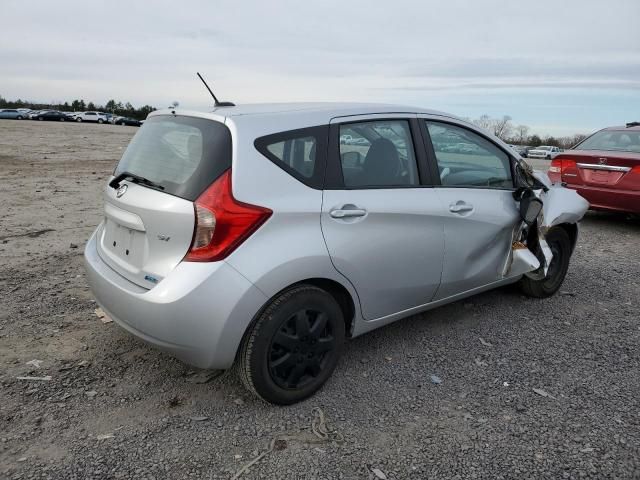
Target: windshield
[[612, 140], [184, 155]]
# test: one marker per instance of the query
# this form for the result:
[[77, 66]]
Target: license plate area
[[601, 177], [125, 245]]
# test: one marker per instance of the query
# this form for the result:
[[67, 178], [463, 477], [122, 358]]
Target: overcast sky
[[561, 66]]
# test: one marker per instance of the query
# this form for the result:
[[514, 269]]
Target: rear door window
[[182, 154], [378, 154]]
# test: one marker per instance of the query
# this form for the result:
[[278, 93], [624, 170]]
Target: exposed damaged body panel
[[562, 205], [530, 253]]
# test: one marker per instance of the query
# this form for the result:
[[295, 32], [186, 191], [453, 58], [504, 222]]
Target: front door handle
[[460, 207], [356, 212]]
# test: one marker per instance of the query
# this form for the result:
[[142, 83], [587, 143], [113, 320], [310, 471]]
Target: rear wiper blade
[[115, 183]]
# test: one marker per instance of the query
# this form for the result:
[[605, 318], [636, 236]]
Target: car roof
[[624, 128], [322, 112]]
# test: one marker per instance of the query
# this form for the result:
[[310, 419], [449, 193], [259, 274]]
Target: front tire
[[19, 117], [79, 120], [100, 120], [293, 347], [560, 245]]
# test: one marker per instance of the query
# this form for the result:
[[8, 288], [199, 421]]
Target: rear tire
[[79, 120], [560, 245], [293, 347], [100, 120], [40, 118], [19, 117]]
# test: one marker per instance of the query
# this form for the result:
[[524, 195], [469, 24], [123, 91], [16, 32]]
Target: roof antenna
[[216, 102]]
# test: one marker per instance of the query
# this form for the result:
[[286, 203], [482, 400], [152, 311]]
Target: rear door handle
[[356, 212], [460, 207]]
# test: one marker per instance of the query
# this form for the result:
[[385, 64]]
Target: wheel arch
[[572, 231], [338, 291]]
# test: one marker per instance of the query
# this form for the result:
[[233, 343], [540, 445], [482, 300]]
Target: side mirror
[[530, 208]]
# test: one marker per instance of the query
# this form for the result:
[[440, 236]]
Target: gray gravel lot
[[530, 388]]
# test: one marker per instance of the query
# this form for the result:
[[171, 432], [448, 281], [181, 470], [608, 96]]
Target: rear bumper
[[609, 199], [198, 313]]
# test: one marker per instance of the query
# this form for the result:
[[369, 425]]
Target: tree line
[[505, 130], [502, 127], [78, 105]]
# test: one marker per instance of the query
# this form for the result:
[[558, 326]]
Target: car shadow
[[612, 219]]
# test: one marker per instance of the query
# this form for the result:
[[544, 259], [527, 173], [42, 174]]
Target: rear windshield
[[182, 154], [612, 140]]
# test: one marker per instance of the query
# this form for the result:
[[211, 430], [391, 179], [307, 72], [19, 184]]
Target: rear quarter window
[[182, 154], [301, 153]]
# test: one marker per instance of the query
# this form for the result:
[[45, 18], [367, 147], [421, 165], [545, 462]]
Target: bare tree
[[502, 127], [483, 122], [522, 134], [576, 139]]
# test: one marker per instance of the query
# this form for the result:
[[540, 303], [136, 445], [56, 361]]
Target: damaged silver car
[[258, 236]]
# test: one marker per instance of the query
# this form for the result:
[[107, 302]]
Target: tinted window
[[467, 159], [377, 153], [616, 140], [300, 153], [183, 154]]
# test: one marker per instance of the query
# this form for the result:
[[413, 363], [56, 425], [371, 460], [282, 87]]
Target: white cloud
[[401, 51]]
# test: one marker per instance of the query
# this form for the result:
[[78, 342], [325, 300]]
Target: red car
[[604, 168]]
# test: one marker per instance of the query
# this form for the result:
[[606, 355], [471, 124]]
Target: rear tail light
[[222, 222], [556, 166]]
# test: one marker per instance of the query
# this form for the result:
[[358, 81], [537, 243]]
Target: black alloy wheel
[[293, 346], [300, 349]]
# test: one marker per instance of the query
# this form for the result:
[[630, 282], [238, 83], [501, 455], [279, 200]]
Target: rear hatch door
[[148, 226]]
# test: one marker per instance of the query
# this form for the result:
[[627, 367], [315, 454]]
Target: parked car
[[346, 139], [271, 245], [524, 152], [53, 115], [12, 113], [604, 168], [126, 121], [96, 117], [521, 149], [544, 151], [33, 115]]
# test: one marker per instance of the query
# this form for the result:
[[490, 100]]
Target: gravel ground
[[529, 388]]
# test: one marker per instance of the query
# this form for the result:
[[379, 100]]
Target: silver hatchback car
[[255, 236]]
